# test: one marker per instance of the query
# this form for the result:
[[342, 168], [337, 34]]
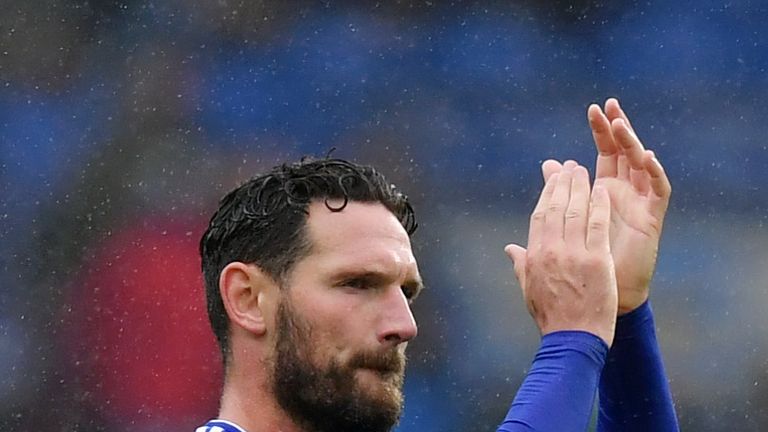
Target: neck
[[247, 400]]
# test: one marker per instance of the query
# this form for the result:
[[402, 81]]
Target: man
[[310, 274]]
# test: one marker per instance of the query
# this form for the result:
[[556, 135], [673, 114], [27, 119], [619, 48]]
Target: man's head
[[313, 262]]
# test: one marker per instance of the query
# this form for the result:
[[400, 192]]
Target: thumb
[[518, 255]]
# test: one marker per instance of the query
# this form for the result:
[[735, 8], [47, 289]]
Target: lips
[[383, 364], [384, 371]]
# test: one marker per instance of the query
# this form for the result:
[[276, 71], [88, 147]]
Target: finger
[[578, 210], [539, 215], [518, 256], [549, 167], [628, 143], [633, 149], [599, 220], [555, 220], [659, 184], [602, 134], [640, 180], [614, 111], [659, 181], [622, 168]]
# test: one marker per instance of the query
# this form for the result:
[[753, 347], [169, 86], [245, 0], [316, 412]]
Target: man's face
[[344, 321]]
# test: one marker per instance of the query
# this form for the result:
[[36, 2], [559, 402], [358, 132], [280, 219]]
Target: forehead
[[361, 232]]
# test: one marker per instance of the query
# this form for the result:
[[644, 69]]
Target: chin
[[386, 388]]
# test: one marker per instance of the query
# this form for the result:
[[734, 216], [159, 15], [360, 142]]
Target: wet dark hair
[[263, 221]]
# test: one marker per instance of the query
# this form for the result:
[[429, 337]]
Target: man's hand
[[639, 191], [567, 272]]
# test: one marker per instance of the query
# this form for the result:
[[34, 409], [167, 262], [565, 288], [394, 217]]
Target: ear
[[244, 288]]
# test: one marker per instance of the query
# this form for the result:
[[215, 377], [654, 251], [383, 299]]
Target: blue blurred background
[[123, 122]]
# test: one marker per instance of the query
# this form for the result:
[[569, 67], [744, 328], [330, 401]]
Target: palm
[[639, 192], [635, 234]]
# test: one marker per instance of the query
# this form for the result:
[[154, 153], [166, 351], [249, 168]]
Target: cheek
[[337, 339], [339, 327]]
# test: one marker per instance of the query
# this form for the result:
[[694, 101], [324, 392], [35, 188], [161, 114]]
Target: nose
[[397, 324]]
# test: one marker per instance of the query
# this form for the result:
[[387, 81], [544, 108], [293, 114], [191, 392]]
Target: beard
[[329, 398]]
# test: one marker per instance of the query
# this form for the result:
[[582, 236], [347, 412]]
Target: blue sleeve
[[634, 394], [559, 392]]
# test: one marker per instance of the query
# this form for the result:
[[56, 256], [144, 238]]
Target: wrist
[[629, 303], [639, 320], [605, 333]]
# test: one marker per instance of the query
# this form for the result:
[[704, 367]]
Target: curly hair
[[263, 221]]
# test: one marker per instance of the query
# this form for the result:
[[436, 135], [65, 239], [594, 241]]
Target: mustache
[[387, 362]]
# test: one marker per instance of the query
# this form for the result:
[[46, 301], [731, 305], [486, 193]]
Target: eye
[[356, 283], [409, 292]]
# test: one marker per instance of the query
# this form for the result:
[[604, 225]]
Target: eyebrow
[[416, 284]]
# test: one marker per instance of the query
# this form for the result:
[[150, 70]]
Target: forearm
[[559, 391], [634, 393]]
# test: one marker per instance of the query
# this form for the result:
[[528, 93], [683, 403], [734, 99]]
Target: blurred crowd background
[[123, 122]]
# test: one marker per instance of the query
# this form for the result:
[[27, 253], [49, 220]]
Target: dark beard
[[329, 399]]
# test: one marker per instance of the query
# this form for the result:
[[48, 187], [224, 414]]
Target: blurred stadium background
[[123, 122]]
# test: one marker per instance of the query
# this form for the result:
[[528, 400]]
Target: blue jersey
[[569, 368], [559, 391], [219, 426]]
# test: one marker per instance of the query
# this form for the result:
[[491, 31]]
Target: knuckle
[[538, 216], [574, 213], [549, 256], [598, 225], [536, 261], [555, 207], [533, 260]]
